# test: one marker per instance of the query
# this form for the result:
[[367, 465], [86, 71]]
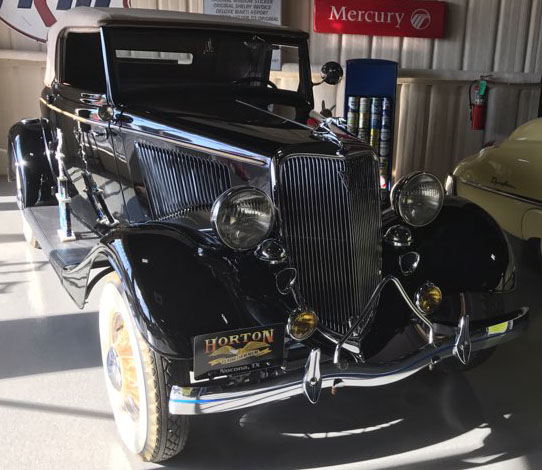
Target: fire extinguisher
[[478, 103]]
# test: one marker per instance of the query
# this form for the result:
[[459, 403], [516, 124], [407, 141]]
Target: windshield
[[153, 59]]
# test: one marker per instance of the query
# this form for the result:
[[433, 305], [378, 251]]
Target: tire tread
[[171, 431]]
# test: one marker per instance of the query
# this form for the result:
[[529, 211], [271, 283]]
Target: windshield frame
[[297, 39]]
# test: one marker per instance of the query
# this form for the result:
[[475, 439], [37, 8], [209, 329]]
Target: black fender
[[180, 283], [463, 250], [27, 154]]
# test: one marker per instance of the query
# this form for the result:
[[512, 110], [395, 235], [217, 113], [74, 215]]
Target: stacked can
[[352, 120], [385, 141], [364, 127], [376, 123]]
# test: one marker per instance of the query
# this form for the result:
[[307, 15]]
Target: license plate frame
[[238, 351]]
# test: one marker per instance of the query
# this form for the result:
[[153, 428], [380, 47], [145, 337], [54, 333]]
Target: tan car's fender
[[505, 181], [508, 212]]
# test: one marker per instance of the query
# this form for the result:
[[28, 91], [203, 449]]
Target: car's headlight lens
[[428, 298], [302, 323], [418, 198], [243, 217]]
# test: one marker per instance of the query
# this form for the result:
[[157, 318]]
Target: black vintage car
[[244, 255]]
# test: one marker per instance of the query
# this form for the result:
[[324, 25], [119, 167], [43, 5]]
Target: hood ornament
[[321, 132], [324, 132]]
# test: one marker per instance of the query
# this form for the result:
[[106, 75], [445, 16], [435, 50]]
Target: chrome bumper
[[318, 375]]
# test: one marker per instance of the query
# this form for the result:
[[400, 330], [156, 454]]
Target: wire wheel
[[138, 381], [123, 369]]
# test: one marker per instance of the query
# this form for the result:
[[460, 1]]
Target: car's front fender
[[531, 226], [181, 283], [462, 250]]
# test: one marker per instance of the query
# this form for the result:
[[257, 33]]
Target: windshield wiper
[[265, 111]]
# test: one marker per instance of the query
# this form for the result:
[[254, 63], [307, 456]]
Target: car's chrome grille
[[178, 182], [331, 221]]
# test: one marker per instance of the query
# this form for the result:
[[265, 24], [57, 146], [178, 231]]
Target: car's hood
[[230, 125], [514, 166]]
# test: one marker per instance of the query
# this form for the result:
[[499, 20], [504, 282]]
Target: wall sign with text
[[407, 18], [33, 18], [269, 11]]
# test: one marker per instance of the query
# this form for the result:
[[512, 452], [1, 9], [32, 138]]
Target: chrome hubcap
[[121, 367], [114, 371]]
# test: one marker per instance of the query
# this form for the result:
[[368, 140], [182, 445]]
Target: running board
[[63, 255]]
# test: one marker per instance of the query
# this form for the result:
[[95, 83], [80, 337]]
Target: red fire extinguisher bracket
[[478, 103]]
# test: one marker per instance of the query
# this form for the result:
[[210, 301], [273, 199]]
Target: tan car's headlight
[[418, 198], [243, 217], [449, 185]]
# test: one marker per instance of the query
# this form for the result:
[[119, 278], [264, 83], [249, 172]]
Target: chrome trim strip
[[216, 399], [73, 116], [251, 161], [353, 348], [534, 202], [371, 304], [182, 143]]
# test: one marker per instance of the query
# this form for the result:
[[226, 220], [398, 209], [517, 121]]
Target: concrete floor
[[54, 411]]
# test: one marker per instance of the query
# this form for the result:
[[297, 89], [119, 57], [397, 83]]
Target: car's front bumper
[[317, 375]]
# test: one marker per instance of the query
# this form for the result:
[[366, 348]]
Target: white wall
[[483, 36]]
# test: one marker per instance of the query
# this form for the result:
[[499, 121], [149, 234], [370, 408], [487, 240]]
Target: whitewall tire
[[137, 381]]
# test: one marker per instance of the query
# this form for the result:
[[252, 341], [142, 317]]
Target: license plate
[[236, 351]]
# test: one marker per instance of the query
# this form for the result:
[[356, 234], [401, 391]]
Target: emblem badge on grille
[[344, 178]]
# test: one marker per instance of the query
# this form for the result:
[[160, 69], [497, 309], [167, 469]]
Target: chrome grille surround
[[331, 223], [178, 182]]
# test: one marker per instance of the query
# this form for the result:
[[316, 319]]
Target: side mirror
[[332, 73]]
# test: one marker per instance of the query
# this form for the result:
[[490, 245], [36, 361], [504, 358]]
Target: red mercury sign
[[407, 18]]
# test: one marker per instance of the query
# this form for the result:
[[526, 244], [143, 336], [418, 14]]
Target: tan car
[[506, 180]]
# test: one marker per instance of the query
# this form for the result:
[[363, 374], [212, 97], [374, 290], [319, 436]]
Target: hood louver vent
[[179, 183]]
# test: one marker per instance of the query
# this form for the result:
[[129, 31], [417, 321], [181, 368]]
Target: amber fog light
[[302, 324], [428, 298]]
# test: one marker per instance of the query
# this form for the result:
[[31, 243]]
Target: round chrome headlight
[[418, 198], [243, 217]]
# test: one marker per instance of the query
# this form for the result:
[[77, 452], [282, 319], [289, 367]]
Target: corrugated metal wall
[[22, 66], [484, 36]]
